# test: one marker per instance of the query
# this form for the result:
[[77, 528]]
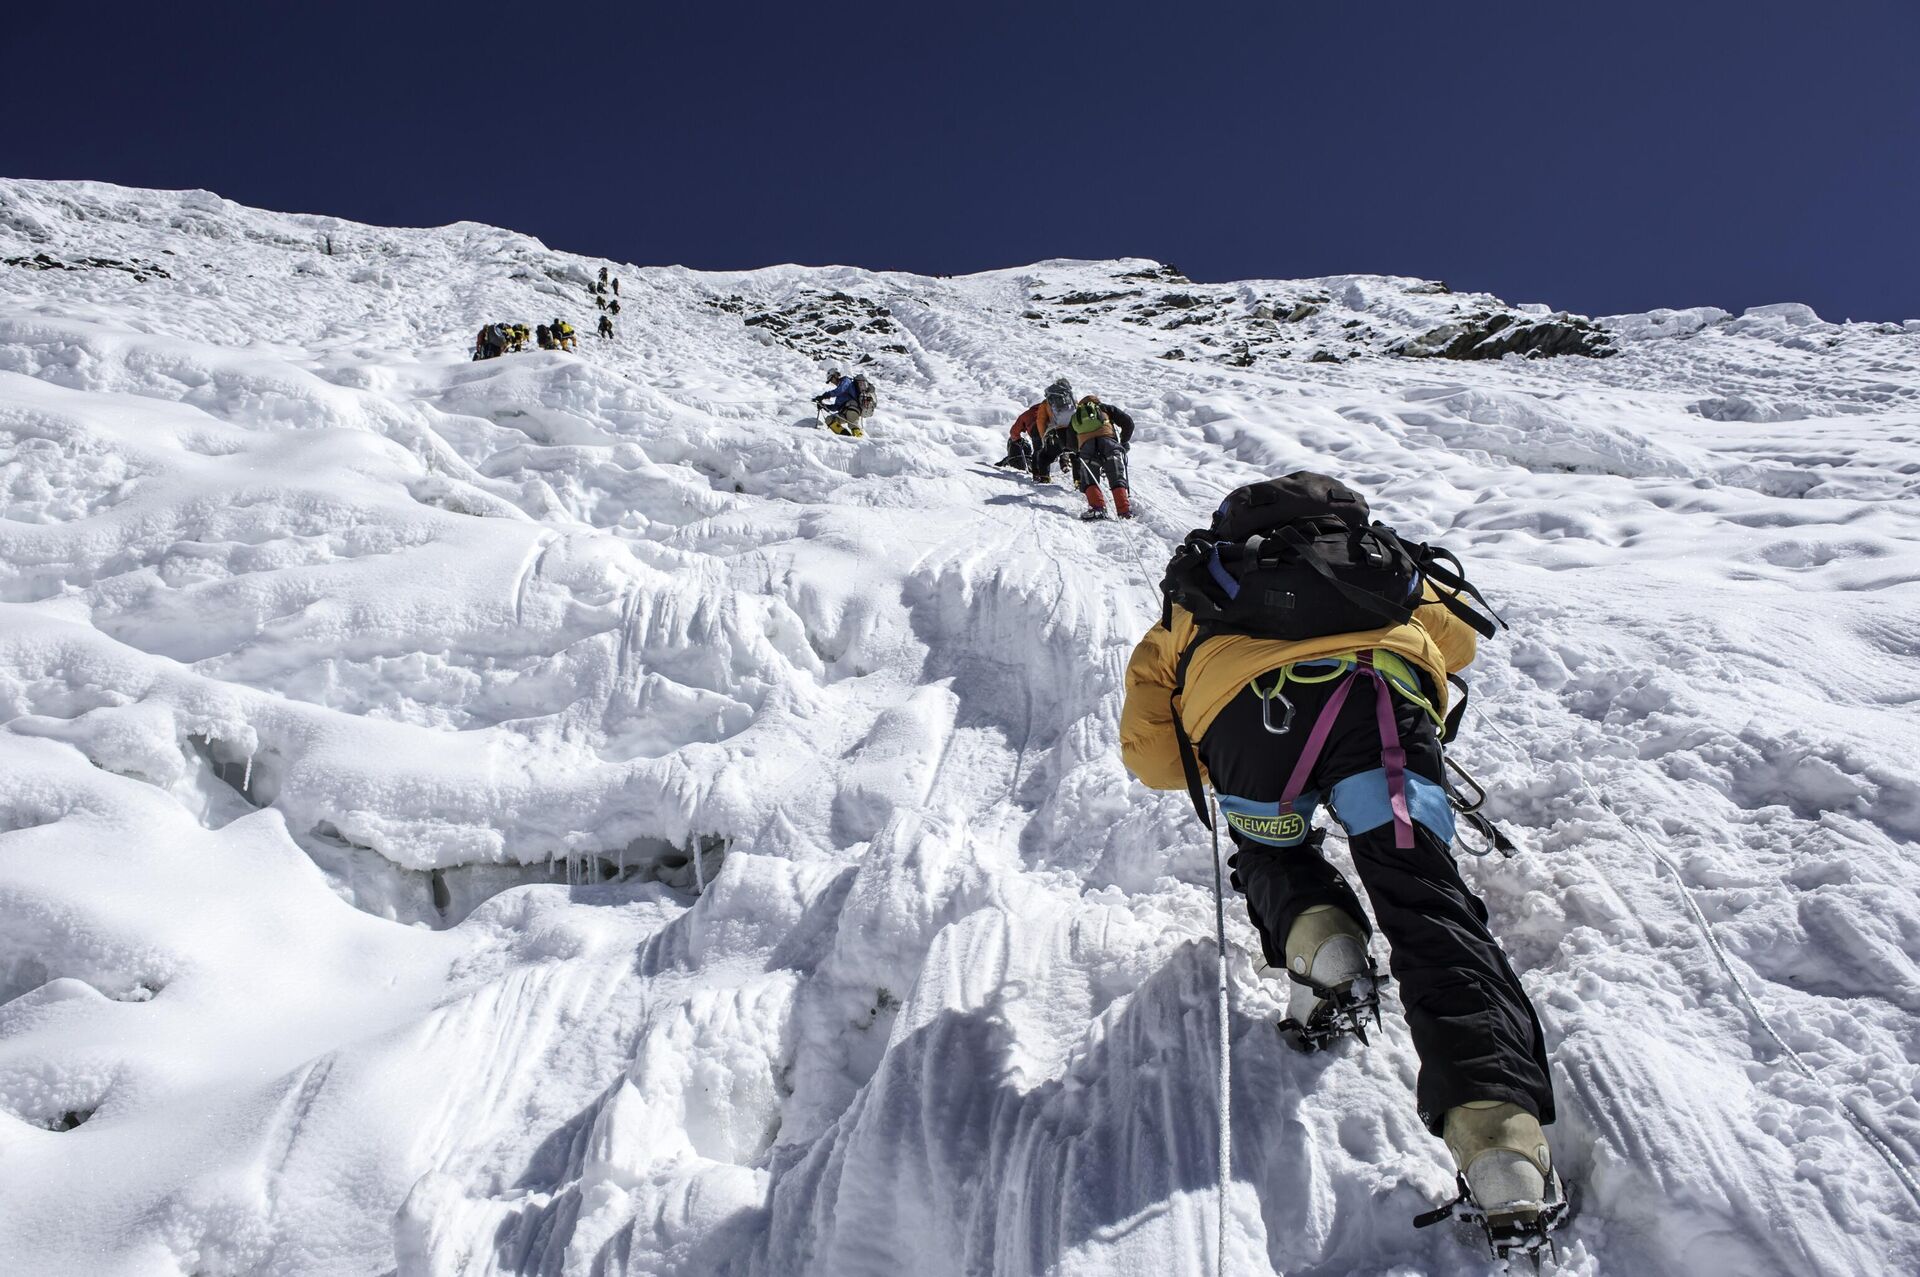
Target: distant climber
[[1090, 436], [1303, 656], [543, 336], [613, 307], [1102, 455], [496, 340], [616, 285], [851, 401], [563, 335], [600, 301], [606, 326], [603, 274], [1029, 430], [517, 337], [1041, 432]]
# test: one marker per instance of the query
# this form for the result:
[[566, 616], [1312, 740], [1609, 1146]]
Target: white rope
[[1873, 1138], [1225, 1007]]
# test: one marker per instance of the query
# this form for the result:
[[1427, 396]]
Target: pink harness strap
[[1393, 755]]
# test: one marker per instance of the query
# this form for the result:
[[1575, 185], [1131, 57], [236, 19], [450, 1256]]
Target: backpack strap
[[1378, 604], [1458, 712], [1189, 761], [1452, 582]]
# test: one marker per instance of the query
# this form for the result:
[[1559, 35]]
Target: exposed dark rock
[[1182, 301], [818, 325], [1084, 298], [1163, 273], [1325, 357], [1485, 335], [1305, 310], [140, 270], [1175, 353]]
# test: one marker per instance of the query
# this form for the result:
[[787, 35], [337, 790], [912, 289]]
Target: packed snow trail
[[372, 718]]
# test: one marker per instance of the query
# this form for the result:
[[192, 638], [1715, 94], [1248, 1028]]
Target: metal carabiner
[[1461, 801], [1266, 709]]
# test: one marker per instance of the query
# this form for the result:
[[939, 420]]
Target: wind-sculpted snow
[[564, 814]]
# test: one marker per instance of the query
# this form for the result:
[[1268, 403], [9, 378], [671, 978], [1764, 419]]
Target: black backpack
[[1300, 558]]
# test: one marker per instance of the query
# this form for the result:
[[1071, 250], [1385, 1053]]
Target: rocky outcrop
[[1494, 335]]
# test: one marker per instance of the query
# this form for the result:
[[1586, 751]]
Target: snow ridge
[[565, 814]]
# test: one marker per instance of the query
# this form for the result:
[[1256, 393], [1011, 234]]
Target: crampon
[[1340, 1012], [1521, 1229]]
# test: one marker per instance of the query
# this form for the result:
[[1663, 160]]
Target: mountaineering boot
[[1333, 989], [1122, 503], [1096, 503], [1502, 1154], [1507, 1182]]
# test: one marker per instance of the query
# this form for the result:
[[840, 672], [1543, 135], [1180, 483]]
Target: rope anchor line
[[1877, 1142]]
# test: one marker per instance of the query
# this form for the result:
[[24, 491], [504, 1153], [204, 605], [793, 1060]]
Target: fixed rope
[[1224, 1000], [1860, 1123]]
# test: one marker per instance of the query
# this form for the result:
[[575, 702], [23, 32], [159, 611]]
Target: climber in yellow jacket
[[1303, 657]]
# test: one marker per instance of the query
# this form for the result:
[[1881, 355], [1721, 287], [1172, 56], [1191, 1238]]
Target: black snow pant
[[1107, 458], [1473, 1026], [1058, 445]]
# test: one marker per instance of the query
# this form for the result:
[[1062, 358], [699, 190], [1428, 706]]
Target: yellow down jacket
[[1435, 640]]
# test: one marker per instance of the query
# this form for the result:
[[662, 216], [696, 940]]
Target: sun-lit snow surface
[[372, 719]]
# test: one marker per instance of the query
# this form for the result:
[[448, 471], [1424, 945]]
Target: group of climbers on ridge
[[609, 306], [1090, 436], [507, 339], [496, 340]]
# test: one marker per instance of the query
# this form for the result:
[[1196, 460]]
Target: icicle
[[246, 778], [699, 865]]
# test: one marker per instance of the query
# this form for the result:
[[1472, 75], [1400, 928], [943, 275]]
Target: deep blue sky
[[1599, 157]]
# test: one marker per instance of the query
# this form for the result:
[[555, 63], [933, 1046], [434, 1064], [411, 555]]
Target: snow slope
[[564, 814]]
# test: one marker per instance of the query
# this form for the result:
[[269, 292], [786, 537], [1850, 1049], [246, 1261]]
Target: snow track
[[370, 719]]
